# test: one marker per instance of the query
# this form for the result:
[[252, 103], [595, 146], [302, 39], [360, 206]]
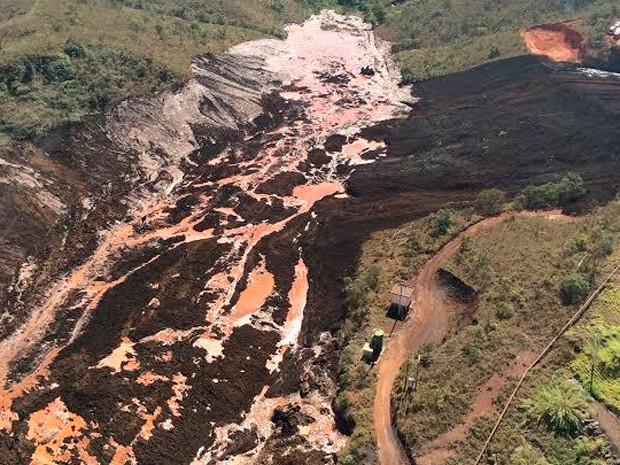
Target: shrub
[[425, 354], [277, 6], [406, 44], [494, 52], [580, 242], [356, 290], [574, 289], [527, 455], [441, 223], [74, 49], [568, 189], [609, 354], [517, 295], [344, 419], [471, 352], [373, 276], [475, 339], [587, 449], [489, 202], [504, 311], [412, 244], [56, 69], [559, 406]]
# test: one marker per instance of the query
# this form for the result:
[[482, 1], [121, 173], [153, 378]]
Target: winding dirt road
[[429, 322]]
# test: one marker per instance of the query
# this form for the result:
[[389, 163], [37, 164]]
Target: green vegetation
[[388, 257], [437, 37], [575, 288], [40, 92], [559, 406], [527, 455], [490, 201], [552, 194], [522, 268], [441, 223]]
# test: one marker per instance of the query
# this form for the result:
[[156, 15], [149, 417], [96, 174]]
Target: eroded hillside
[[178, 320]]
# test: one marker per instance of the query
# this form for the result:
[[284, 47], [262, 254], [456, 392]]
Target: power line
[[572, 321]]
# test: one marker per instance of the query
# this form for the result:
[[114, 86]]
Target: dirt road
[[609, 423], [429, 322]]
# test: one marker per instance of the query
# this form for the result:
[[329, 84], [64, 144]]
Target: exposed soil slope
[[556, 41]]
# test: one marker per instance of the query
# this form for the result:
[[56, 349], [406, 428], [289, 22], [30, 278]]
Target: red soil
[[556, 41], [440, 449]]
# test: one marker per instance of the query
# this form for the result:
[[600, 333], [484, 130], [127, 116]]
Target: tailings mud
[[172, 320]]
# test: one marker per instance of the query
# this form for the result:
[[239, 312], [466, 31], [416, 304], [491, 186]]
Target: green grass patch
[[437, 37]]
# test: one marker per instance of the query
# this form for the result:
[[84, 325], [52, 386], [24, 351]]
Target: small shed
[[400, 300]]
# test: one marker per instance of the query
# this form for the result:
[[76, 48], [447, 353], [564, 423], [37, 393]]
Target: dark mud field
[[507, 125]]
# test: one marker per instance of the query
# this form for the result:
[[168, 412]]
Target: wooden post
[[593, 361]]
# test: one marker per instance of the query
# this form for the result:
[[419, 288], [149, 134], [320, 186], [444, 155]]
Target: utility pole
[[594, 361]]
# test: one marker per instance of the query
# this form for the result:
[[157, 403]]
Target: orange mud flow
[[304, 61]]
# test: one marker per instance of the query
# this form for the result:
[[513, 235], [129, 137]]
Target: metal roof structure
[[401, 295]]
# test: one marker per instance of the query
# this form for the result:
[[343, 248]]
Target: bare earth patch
[[557, 41]]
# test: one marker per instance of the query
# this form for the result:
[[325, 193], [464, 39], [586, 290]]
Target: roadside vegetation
[[531, 274], [557, 193], [388, 257]]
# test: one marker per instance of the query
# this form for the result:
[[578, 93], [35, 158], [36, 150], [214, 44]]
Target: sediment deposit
[[178, 299]]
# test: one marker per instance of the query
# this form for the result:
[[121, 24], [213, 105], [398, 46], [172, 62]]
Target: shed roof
[[401, 296], [401, 290]]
